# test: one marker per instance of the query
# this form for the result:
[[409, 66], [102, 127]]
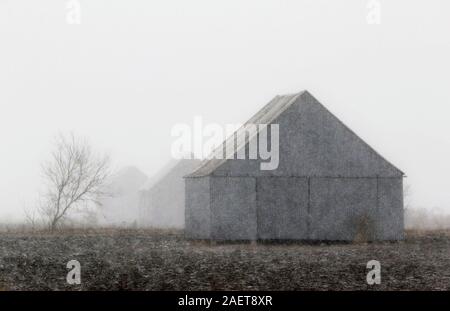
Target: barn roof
[[266, 115], [171, 171]]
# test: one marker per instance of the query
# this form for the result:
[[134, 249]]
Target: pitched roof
[[264, 116], [173, 170]]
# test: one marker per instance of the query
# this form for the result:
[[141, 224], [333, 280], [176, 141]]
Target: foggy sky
[[132, 69]]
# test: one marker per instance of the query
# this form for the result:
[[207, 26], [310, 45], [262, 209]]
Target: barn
[[329, 184], [161, 199]]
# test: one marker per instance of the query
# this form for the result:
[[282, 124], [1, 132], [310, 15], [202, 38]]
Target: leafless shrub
[[364, 229], [31, 218]]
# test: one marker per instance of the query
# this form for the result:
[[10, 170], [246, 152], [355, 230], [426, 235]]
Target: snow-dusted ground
[[148, 260]]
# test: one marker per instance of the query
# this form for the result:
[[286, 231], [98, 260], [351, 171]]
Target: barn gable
[[313, 142]]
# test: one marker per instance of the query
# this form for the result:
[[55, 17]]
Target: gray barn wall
[[233, 206], [282, 207], [337, 209], [390, 209], [198, 209], [343, 207]]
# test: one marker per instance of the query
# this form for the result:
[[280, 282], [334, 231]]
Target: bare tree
[[74, 176]]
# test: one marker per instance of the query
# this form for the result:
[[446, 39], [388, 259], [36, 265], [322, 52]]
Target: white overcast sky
[[134, 68]]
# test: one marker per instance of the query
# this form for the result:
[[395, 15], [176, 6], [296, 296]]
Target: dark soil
[[145, 260]]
